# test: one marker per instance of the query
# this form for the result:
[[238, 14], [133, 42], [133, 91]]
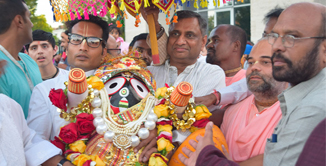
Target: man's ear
[[236, 46], [55, 48], [18, 21], [204, 42]]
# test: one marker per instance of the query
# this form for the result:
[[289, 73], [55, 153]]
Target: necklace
[[233, 70], [55, 74], [28, 78], [123, 135]]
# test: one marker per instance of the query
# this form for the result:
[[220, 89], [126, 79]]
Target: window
[[232, 12]]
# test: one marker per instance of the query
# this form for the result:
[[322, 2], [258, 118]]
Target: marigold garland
[[193, 119]]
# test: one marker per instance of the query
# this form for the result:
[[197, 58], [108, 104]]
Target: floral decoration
[[73, 137], [58, 98], [165, 110]]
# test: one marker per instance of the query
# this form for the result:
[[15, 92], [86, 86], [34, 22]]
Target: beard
[[210, 57], [298, 72], [266, 87]]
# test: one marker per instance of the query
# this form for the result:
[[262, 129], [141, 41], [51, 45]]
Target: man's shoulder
[[209, 70], [27, 59], [56, 82]]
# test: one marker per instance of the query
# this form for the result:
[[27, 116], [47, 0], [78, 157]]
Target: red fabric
[[212, 156], [165, 122], [201, 123], [313, 152]]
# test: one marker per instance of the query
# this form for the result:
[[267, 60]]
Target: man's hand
[[150, 146], [202, 142], [55, 160], [206, 100], [152, 9], [2, 65]]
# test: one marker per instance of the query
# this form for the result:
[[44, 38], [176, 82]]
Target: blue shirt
[[13, 82]]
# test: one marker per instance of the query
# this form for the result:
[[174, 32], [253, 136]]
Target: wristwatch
[[62, 162], [160, 33]]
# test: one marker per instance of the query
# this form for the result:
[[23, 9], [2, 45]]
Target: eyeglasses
[[264, 34], [111, 50], [76, 39], [288, 40]]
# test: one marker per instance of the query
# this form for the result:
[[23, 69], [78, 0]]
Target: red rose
[[58, 98], [85, 123], [68, 133], [201, 123], [59, 144], [164, 122], [87, 163]]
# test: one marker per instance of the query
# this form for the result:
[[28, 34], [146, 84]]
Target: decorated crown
[[130, 63]]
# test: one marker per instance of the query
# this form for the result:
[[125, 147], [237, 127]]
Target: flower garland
[[73, 137], [194, 118]]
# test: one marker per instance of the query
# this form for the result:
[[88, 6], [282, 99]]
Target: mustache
[[280, 56], [82, 53], [255, 73]]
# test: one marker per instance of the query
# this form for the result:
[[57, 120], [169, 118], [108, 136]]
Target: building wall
[[259, 8]]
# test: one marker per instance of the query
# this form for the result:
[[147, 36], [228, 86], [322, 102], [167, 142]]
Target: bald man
[[112, 47], [299, 57]]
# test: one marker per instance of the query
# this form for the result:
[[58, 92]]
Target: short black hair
[[236, 33], [93, 19], [9, 9], [274, 13], [66, 32], [113, 26], [182, 14], [141, 36], [40, 35]]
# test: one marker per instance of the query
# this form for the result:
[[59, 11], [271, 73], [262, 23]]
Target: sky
[[44, 7]]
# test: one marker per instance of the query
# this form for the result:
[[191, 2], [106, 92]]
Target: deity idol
[[112, 111]]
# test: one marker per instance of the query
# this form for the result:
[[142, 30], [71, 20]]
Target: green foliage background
[[38, 21]]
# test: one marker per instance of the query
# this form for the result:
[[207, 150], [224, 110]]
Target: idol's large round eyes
[[115, 84], [139, 87]]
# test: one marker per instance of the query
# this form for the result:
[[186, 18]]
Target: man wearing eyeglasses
[[299, 57], [85, 50], [113, 47]]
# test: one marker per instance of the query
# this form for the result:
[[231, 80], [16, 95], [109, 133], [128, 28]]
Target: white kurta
[[43, 117], [202, 76], [19, 145]]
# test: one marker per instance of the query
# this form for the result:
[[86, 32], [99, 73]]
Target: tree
[[38, 21]]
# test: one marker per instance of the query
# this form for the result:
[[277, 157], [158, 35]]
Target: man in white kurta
[[19, 145]]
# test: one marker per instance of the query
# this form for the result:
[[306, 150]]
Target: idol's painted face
[[125, 91]]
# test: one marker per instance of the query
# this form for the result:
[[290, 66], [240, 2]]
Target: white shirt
[[19, 145], [202, 76], [43, 117], [234, 93]]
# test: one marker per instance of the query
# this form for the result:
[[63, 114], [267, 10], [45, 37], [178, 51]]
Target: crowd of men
[[272, 113]]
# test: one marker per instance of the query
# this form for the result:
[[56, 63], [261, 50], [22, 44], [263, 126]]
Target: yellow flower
[[163, 143], [161, 110], [78, 146], [202, 112], [98, 161], [167, 128], [72, 156], [95, 82], [160, 92], [156, 161], [81, 159], [193, 129]]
